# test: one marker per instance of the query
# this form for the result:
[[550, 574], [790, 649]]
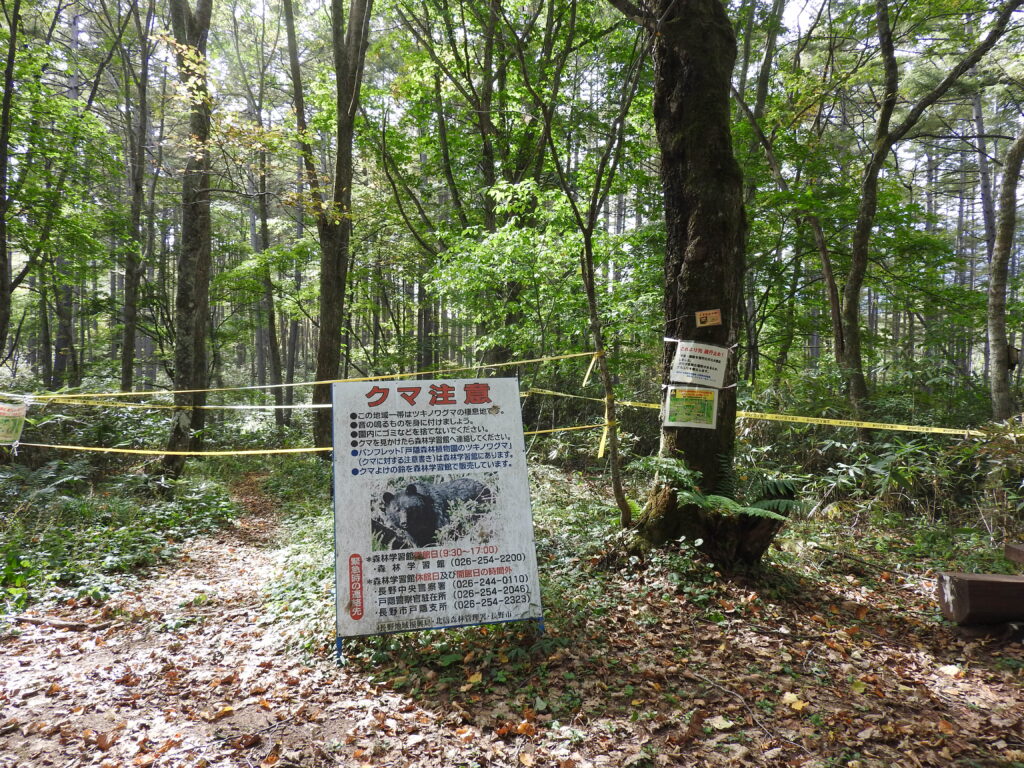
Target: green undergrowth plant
[[64, 534], [957, 482], [85, 424], [892, 543], [917, 503]]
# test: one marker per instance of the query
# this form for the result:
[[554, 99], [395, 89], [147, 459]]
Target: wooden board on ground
[[1014, 552], [981, 598]]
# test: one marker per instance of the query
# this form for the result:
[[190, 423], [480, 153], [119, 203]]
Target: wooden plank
[[1014, 552], [981, 598]]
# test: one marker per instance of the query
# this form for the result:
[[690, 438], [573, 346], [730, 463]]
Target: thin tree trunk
[[886, 136], [334, 218], [65, 364], [191, 326], [6, 118], [138, 136]]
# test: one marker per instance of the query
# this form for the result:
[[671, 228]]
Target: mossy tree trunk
[[694, 53]]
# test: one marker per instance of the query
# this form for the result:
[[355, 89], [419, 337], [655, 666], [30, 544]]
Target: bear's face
[[414, 513]]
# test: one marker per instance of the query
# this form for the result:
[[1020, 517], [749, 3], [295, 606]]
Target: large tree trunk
[[192, 301], [705, 227], [1002, 399]]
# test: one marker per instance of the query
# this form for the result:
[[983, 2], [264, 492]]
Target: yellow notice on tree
[[691, 407], [12, 420]]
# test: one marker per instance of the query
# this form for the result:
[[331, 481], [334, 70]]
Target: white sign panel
[[431, 506], [697, 363], [12, 421]]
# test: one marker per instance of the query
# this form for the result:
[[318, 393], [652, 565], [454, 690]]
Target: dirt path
[[183, 671], [187, 671]]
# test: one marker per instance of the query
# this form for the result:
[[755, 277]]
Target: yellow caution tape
[[630, 403], [604, 440], [794, 419], [148, 452], [168, 407], [558, 429], [606, 426], [144, 393], [253, 452], [860, 424], [590, 368]]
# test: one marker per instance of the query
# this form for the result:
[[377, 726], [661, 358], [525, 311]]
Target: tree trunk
[[705, 226], [45, 345], [6, 119], [65, 362], [334, 218], [137, 137], [273, 346], [885, 138], [191, 314]]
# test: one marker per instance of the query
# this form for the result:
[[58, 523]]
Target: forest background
[[261, 195]]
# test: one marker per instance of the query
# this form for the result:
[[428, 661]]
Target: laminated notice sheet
[[12, 421], [691, 407], [698, 363]]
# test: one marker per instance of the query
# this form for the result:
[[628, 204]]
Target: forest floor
[[187, 669]]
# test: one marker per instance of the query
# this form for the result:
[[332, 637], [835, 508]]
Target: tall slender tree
[[334, 212], [137, 115], [1002, 399], [889, 129], [12, 17]]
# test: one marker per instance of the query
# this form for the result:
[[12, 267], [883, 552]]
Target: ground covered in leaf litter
[[658, 663]]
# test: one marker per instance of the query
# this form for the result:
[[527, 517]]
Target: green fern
[[778, 488], [779, 495], [673, 470], [635, 508], [725, 505], [783, 507], [727, 483]]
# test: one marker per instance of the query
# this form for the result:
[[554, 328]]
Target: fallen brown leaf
[[272, 757], [106, 740]]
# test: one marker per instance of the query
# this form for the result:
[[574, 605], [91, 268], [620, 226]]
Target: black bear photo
[[413, 517]]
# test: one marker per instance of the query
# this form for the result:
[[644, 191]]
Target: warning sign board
[[431, 506], [698, 363]]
